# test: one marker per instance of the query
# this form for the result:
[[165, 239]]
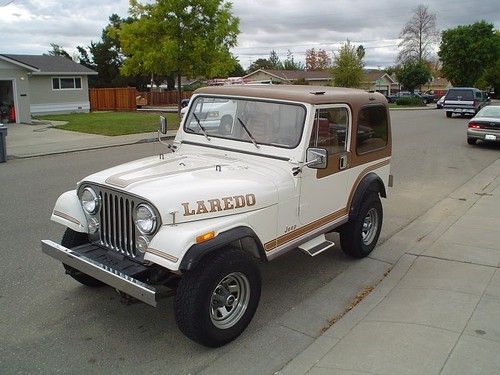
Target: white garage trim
[[50, 108]]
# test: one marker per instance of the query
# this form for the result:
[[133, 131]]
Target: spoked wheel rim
[[370, 226], [229, 300]]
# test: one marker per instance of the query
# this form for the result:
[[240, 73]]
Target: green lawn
[[113, 123]]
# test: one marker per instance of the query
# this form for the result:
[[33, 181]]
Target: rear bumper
[[483, 134], [108, 275], [461, 110]]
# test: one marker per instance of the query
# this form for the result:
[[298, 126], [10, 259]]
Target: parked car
[[464, 100], [439, 103], [199, 218], [435, 94], [485, 125], [405, 94]]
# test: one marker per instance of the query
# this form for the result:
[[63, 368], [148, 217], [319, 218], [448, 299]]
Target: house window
[[66, 83]]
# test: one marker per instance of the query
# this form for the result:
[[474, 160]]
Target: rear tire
[[359, 236], [448, 114], [72, 239], [471, 141], [216, 301]]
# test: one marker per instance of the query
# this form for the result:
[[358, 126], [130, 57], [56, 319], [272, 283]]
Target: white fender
[[69, 212]]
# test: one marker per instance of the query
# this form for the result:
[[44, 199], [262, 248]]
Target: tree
[[57, 50], [238, 70], [186, 38], [347, 66], [467, 52], [360, 51], [260, 64], [413, 73], [290, 63], [105, 57], [317, 60], [418, 35], [275, 60]]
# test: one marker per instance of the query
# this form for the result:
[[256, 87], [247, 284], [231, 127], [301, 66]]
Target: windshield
[[259, 122], [489, 111]]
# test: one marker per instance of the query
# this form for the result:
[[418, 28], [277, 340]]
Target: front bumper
[[115, 274]]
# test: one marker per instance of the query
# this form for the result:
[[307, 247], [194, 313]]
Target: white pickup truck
[[284, 167]]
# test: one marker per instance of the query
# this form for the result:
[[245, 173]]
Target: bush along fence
[[128, 98]]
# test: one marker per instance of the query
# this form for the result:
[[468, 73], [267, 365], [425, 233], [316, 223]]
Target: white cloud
[[29, 26]]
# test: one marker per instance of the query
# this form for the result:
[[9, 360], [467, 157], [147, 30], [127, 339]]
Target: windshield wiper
[[201, 126], [248, 132]]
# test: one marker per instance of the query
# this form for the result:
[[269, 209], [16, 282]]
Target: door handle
[[343, 162]]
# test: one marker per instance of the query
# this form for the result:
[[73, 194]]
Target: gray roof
[[45, 64]]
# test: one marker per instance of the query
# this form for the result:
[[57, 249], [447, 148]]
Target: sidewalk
[[438, 311], [36, 140]]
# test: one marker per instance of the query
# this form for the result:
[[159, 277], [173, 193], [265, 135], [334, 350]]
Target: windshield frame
[[194, 100]]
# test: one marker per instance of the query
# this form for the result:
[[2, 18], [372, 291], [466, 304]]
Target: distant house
[[378, 80], [38, 84], [319, 78]]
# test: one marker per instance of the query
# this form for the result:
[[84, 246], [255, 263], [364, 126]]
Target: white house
[[39, 84]]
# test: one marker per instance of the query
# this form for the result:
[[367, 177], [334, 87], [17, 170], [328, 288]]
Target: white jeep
[[284, 166]]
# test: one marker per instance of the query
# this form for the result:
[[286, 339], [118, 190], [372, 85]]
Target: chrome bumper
[[99, 271]]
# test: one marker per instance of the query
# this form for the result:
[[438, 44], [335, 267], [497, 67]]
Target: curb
[[447, 211], [145, 140]]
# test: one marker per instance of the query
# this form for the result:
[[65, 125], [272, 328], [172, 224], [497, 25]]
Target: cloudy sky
[[29, 26]]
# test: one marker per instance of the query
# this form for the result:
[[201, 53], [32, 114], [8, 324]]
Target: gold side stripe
[[65, 216], [161, 254], [271, 245]]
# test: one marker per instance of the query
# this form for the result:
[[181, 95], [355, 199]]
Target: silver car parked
[[485, 125]]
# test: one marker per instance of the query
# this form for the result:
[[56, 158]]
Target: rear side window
[[460, 95], [373, 129]]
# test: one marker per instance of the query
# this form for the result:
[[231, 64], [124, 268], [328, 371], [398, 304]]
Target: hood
[[194, 187]]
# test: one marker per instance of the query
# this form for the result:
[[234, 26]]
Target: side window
[[479, 95], [373, 129], [331, 130]]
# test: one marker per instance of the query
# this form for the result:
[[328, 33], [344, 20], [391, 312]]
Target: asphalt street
[[49, 323]]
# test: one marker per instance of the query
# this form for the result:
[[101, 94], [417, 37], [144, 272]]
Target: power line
[[7, 3]]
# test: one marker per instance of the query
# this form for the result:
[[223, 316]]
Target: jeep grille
[[117, 228]]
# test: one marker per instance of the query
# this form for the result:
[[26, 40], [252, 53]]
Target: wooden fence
[[164, 97], [113, 99], [124, 98]]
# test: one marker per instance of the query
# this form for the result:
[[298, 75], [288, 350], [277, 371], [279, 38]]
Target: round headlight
[[90, 200], [145, 219]]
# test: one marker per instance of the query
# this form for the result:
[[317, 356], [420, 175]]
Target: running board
[[316, 246]]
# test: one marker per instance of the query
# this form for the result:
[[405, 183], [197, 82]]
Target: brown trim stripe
[[268, 246], [271, 245], [65, 216], [163, 255]]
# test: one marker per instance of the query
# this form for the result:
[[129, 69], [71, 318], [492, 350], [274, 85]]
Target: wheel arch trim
[[197, 251], [369, 182]]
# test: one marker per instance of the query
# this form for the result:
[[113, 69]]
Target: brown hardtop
[[298, 93]]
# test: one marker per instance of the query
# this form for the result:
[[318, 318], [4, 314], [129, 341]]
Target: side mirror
[[163, 125], [317, 158]]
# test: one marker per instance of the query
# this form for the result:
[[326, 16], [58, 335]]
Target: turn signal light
[[205, 237], [474, 125]]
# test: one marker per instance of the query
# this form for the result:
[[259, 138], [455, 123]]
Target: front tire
[[359, 236], [448, 114], [216, 301], [72, 239]]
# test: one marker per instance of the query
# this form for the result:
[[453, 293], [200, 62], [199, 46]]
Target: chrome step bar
[[99, 271]]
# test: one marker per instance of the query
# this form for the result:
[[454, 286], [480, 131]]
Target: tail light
[[474, 103], [474, 125]]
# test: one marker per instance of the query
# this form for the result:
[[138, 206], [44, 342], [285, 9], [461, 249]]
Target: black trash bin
[[3, 145]]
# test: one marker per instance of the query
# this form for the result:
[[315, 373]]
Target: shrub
[[412, 101]]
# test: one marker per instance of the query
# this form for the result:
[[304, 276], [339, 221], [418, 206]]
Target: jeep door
[[324, 192]]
